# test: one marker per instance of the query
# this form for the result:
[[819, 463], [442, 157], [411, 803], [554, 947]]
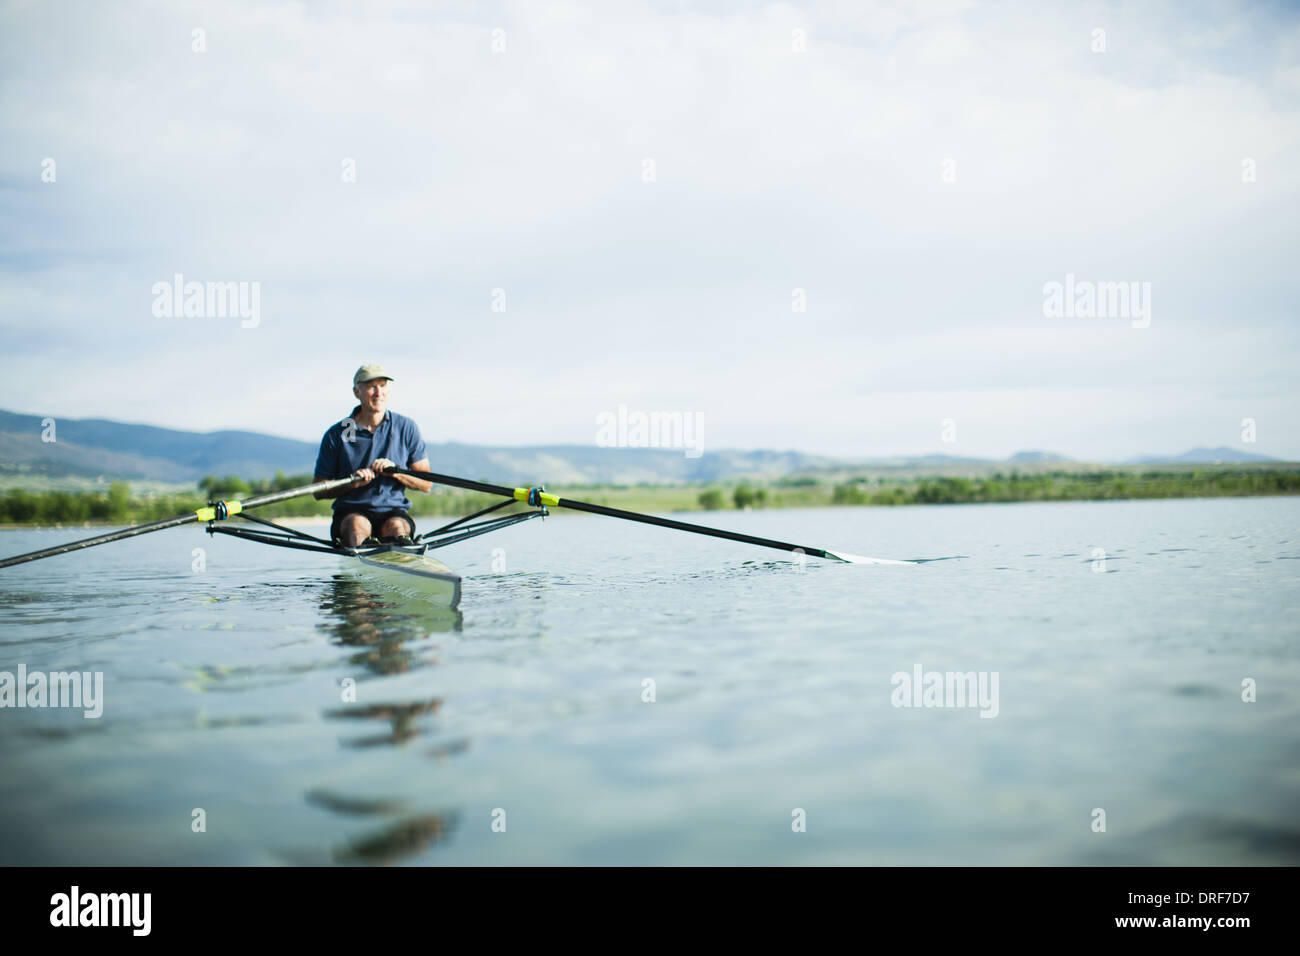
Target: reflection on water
[[382, 845], [402, 716], [401, 839], [449, 749], [352, 806], [382, 625], [1120, 689]]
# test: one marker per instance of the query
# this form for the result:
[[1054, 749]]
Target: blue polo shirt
[[397, 438]]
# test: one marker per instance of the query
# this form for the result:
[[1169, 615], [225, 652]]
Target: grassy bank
[[118, 505]]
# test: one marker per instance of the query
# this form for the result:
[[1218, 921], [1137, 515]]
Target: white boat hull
[[419, 577]]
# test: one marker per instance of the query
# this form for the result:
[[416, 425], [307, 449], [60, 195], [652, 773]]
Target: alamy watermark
[[1083, 299], [624, 429], [75, 908], [178, 299], [76, 689], [922, 688]]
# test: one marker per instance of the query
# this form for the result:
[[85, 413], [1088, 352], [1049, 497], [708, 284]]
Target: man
[[370, 441]]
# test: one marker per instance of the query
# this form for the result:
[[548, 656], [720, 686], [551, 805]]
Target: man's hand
[[381, 465], [362, 476]]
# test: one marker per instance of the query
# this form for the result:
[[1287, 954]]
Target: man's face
[[373, 394]]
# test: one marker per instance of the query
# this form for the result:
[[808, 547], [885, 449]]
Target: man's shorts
[[376, 519]]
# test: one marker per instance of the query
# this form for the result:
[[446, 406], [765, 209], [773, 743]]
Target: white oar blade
[[858, 559]]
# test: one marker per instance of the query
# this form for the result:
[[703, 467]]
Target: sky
[[829, 227]]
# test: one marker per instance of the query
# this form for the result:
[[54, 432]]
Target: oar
[[213, 512], [536, 496]]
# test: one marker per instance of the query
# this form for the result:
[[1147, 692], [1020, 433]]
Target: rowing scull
[[406, 566]]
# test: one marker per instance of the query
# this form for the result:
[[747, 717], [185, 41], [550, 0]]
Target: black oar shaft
[[274, 497], [254, 502], [619, 513], [101, 539], [687, 526]]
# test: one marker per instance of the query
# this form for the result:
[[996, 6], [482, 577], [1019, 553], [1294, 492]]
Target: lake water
[[772, 737]]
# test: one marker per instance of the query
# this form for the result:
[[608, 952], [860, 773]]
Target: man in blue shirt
[[368, 442]]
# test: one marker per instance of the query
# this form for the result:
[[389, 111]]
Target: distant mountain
[[944, 460], [1036, 457], [1202, 456], [90, 449], [587, 464]]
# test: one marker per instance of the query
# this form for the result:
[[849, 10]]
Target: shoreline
[[324, 520]]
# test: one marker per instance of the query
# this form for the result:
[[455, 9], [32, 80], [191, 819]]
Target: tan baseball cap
[[367, 372]]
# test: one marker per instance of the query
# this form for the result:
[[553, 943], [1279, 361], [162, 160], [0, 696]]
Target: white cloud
[[776, 170]]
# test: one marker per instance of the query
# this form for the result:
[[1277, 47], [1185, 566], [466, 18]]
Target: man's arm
[[327, 462], [415, 484], [364, 477], [419, 460]]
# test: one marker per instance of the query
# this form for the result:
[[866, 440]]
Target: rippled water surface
[[1121, 634]]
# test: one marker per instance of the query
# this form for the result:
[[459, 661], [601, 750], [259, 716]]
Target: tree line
[[117, 505]]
